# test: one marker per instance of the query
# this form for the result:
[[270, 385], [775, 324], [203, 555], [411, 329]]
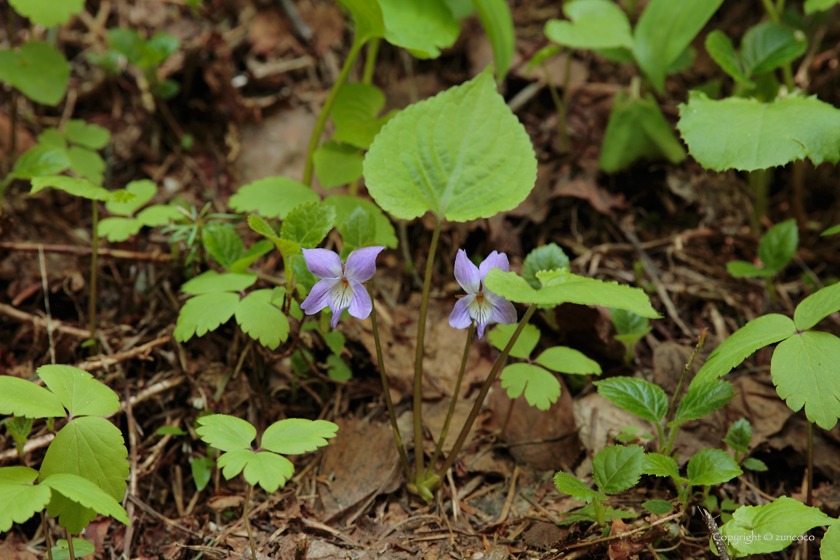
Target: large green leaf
[[358, 230], [84, 492], [812, 6], [779, 244], [656, 464], [20, 498], [337, 164], [541, 388], [572, 486], [421, 26], [223, 243], [498, 24], [266, 469], [308, 224], [78, 391], [19, 397], [38, 70], [368, 18], [525, 344], [294, 436], [595, 24], [204, 313], [462, 155], [79, 187], [568, 360], [817, 307], [86, 164], [272, 197], [768, 45], [565, 287], [756, 334], [261, 320], [118, 229], [719, 46], [40, 160], [618, 468], [212, 282], [703, 399], [547, 257], [638, 396], [226, 433], [712, 466], [664, 30], [355, 114], [804, 370], [143, 191], [48, 13], [346, 205], [91, 136], [759, 135]]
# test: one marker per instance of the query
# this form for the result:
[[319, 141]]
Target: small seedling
[[738, 439], [631, 329], [775, 250], [708, 467], [190, 230], [121, 228]]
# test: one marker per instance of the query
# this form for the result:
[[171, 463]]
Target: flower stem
[[93, 266], [47, 538], [453, 402], [70, 545], [418, 354], [772, 13], [491, 377], [248, 523], [327, 108], [386, 389], [370, 60]]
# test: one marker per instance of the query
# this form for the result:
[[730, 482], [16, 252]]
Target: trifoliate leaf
[[655, 464], [86, 164], [338, 370], [497, 22], [359, 230], [254, 252], [294, 436], [212, 282], [227, 433], [719, 46], [48, 13], [568, 360], [524, 345], [421, 26], [461, 154], [143, 192], [20, 498], [712, 466], [201, 469], [759, 135], [547, 257], [755, 465], [79, 187], [628, 323], [659, 507], [19, 397], [118, 229], [767, 46], [159, 215], [90, 136], [81, 548], [204, 313], [568, 484], [337, 164], [269, 470], [40, 160], [817, 307], [261, 320], [618, 468], [541, 388], [595, 24], [638, 396], [804, 370], [703, 399], [38, 70], [272, 197], [756, 334], [778, 245], [223, 243], [355, 114], [739, 435], [308, 224], [79, 392], [86, 493], [346, 205]]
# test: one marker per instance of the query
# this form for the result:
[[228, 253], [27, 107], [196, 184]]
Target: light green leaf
[[201, 469], [779, 244], [739, 435], [817, 307], [254, 252], [40, 160], [595, 24], [212, 282], [460, 8], [53, 138], [81, 548], [568, 360], [38, 70], [830, 546], [48, 13], [78, 391], [684, 61], [541, 388], [261, 320], [338, 370], [547, 257], [461, 154], [118, 229], [368, 17], [266, 469], [703, 399], [20, 498], [337, 164], [664, 30], [170, 430], [359, 230], [308, 224], [768, 45], [755, 465], [87, 164], [659, 507], [421, 26], [90, 136], [84, 492], [525, 344], [656, 464], [568, 484], [335, 341], [712, 466], [272, 197], [804, 370], [294, 436], [143, 192], [19, 397], [226, 433], [638, 396], [628, 323], [355, 114], [618, 468], [346, 205], [542, 55], [223, 243], [744, 269], [758, 333], [159, 215], [759, 135], [637, 130], [204, 313], [498, 24], [812, 6], [79, 187]]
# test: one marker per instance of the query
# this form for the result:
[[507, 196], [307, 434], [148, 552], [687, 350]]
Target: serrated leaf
[[84, 492], [756, 334], [78, 391], [48, 13], [159, 215], [664, 30], [335, 342], [755, 465], [21, 499], [659, 507], [118, 229], [38, 70], [201, 469], [769, 45], [40, 160], [759, 135], [779, 244], [254, 252], [525, 344], [570, 288], [81, 548], [655, 464], [204, 313], [338, 370], [90, 136], [226, 433], [547, 257], [541, 388], [294, 436], [19, 397], [783, 520], [223, 243], [79, 187], [830, 545], [261, 320], [346, 205], [308, 224], [461, 154], [628, 323], [595, 24], [618, 468], [703, 399], [359, 230], [421, 26], [355, 114], [739, 435], [712, 466], [497, 21], [272, 197], [337, 164], [212, 282], [638, 396], [817, 307], [568, 484], [804, 371], [719, 46], [143, 191], [269, 470], [568, 360], [743, 269]]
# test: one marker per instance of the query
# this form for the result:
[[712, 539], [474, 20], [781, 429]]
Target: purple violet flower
[[340, 286], [480, 303]]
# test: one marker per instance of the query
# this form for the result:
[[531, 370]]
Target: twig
[[25, 317], [627, 534], [161, 517], [29, 447], [509, 499], [78, 250], [303, 30], [107, 361], [716, 537]]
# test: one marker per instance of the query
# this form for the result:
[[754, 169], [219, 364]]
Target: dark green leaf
[[40, 160], [547, 257], [703, 399], [308, 224], [628, 323], [720, 48], [202, 468], [659, 507], [638, 396], [768, 46], [739, 435], [712, 466], [498, 24], [618, 468], [568, 484], [779, 244], [358, 230], [223, 243]]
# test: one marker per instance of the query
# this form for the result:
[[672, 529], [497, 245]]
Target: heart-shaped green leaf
[[547, 257], [294, 436], [739, 435], [118, 229], [337, 164], [719, 46], [421, 26], [368, 18], [355, 114], [81, 548], [703, 399], [778, 245], [595, 24], [204, 313], [38, 70], [308, 224], [568, 360], [359, 230]]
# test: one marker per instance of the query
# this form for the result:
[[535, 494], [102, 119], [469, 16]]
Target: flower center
[[344, 282], [479, 297]]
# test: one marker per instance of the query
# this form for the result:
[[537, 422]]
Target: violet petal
[[340, 297], [494, 260], [319, 297], [466, 273], [460, 316], [323, 263], [360, 305], [361, 264], [503, 311]]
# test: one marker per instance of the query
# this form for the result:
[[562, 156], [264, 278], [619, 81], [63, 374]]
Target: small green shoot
[[631, 328]]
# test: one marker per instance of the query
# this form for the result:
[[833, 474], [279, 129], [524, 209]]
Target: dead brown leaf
[[585, 187]]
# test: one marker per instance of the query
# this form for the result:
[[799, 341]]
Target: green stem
[[453, 402], [47, 538], [418, 354], [772, 13], [386, 389], [672, 408], [759, 180], [787, 74], [660, 436], [93, 265], [479, 401], [562, 131], [809, 500], [248, 523], [672, 436], [327, 108], [780, 7], [370, 60], [70, 545], [771, 289]]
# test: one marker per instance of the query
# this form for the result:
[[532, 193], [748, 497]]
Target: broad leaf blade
[[261, 320], [768, 46], [223, 243], [118, 229], [254, 252], [817, 307], [421, 26], [294, 436], [358, 230], [720, 48], [703, 399], [628, 323], [159, 215], [81, 547], [79, 392], [830, 546], [525, 344], [638, 396], [541, 388], [368, 18], [346, 205], [655, 464], [595, 24], [739, 435], [308, 224], [743, 269], [547, 257], [337, 164], [143, 192], [79, 187], [498, 24], [86, 493], [204, 313], [90, 136], [40, 160], [20, 498], [38, 70], [266, 469], [712, 466], [355, 114], [568, 360], [272, 197], [48, 13], [618, 468], [19, 397], [227, 433], [211, 282], [779, 244], [570, 485], [86, 164]]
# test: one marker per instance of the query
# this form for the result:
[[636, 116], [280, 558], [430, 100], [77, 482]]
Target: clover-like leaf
[[817, 307], [572, 486], [294, 436], [541, 388], [266, 469], [618, 467], [38, 70], [595, 24], [767, 46], [656, 464], [79, 187], [739, 435], [211, 282], [568, 360], [338, 370], [547, 257], [81, 548], [84, 492], [337, 164], [719, 46], [226, 433], [143, 192], [524, 345], [703, 399], [759, 135], [48, 13], [421, 26], [19, 397], [462, 155], [20, 497], [358, 230], [159, 215], [86, 164], [779, 244], [712, 466], [308, 224], [346, 205], [642, 398], [40, 160], [272, 197], [118, 229], [497, 21], [204, 313], [78, 391], [355, 114], [90, 136], [261, 320]]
